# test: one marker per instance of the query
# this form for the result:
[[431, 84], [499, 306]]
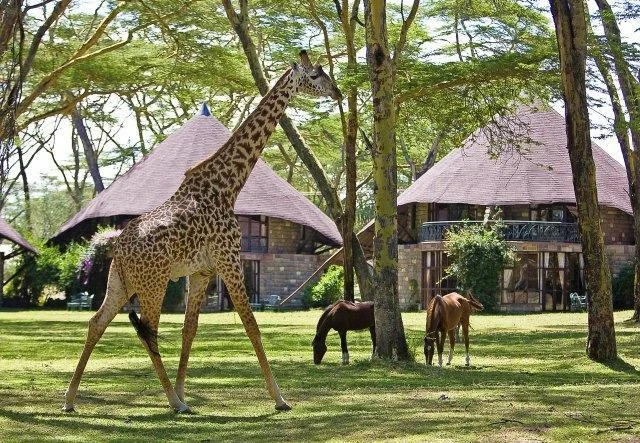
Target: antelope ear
[[304, 59]]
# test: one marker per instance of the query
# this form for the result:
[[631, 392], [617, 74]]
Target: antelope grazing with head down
[[444, 314]]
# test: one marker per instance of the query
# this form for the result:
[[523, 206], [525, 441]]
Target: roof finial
[[204, 110]]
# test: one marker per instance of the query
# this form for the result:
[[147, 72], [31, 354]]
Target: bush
[[51, 269], [328, 289], [622, 286], [478, 257]]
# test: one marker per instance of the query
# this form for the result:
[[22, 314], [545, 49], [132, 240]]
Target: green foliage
[[175, 295], [478, 257], [622, 286], [50, 271], [68, 265], [414, 296], [328, 289]]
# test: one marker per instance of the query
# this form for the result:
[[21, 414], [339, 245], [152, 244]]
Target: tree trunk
[[350, 134], [89, 152], [241, 27], [570, 21], [630, 89], [25, 189], [390, 338]]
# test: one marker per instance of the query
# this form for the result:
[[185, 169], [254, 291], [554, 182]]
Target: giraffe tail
[[146, 334]]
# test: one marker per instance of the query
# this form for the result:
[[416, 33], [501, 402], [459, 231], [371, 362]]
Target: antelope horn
[[304, 59]]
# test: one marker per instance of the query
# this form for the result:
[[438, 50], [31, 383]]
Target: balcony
[[512, 230], [253, 244]]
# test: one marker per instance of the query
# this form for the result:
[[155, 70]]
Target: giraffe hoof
[[283, 407], [68, 408], [183, 409]]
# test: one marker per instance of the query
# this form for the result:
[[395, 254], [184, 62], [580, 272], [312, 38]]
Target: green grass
[[529, 380]]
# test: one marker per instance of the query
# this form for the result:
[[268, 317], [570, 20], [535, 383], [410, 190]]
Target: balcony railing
[[254, 244], [512, 230]]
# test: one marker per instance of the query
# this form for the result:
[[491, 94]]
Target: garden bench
[[578, 302], [80, 301], [273, 304], [270, 305]]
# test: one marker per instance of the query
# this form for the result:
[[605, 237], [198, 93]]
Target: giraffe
[[195, 233]]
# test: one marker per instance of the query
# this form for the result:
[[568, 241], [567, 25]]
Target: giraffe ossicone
[[195, 233]]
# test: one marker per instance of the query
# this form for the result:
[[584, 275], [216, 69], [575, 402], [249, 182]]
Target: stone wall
[[281, 274], [284, 236], [619, 255], [617, 226], [409, 269]]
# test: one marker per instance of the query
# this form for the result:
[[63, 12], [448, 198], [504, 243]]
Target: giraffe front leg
[[197, 284], [114, 299], [147, 329], [231, 272]]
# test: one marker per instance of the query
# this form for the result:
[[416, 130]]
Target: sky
[[43, 164]]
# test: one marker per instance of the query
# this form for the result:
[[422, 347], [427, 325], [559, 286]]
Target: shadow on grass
[[619, 365]]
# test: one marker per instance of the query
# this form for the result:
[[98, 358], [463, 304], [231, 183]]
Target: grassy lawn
[[529, 380]]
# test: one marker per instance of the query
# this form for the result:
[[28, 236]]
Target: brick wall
[[422, 213]]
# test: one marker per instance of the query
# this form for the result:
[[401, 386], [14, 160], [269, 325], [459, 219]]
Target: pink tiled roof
[[540, 176], [154, 179], [6, 231]]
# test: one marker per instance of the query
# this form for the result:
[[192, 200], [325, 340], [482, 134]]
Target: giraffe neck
[[234, 161]]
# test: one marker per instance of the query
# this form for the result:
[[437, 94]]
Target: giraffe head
[[313, 80]]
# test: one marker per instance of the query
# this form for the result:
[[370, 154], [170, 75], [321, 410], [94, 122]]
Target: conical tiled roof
[[541, 176], [6, 231], [154, 179]]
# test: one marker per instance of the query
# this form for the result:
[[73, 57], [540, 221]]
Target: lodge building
[[533, 191], [284, 235]]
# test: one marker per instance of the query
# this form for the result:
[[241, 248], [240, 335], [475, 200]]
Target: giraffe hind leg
[[197, 286], [147, 329], [114, 299]]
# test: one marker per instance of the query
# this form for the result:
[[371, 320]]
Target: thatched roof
[[6, 231], [540, 176], [154, 179]]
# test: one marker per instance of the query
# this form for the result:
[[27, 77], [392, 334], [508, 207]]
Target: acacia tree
[[571, 31], [390, 338], [626, 114], [240, 23]]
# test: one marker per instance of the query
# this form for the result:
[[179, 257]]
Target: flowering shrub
[[96, 256]]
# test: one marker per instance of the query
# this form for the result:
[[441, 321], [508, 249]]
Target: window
[[520, 281], [254, 233], [434, 279], [251, 270], [217, 295]]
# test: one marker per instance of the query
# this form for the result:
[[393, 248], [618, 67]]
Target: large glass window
[[217, 295], [520, 281], [543, 278], [254, 233], [434, 279]]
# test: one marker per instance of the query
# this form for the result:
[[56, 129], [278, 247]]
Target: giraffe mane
[[194, 168]]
